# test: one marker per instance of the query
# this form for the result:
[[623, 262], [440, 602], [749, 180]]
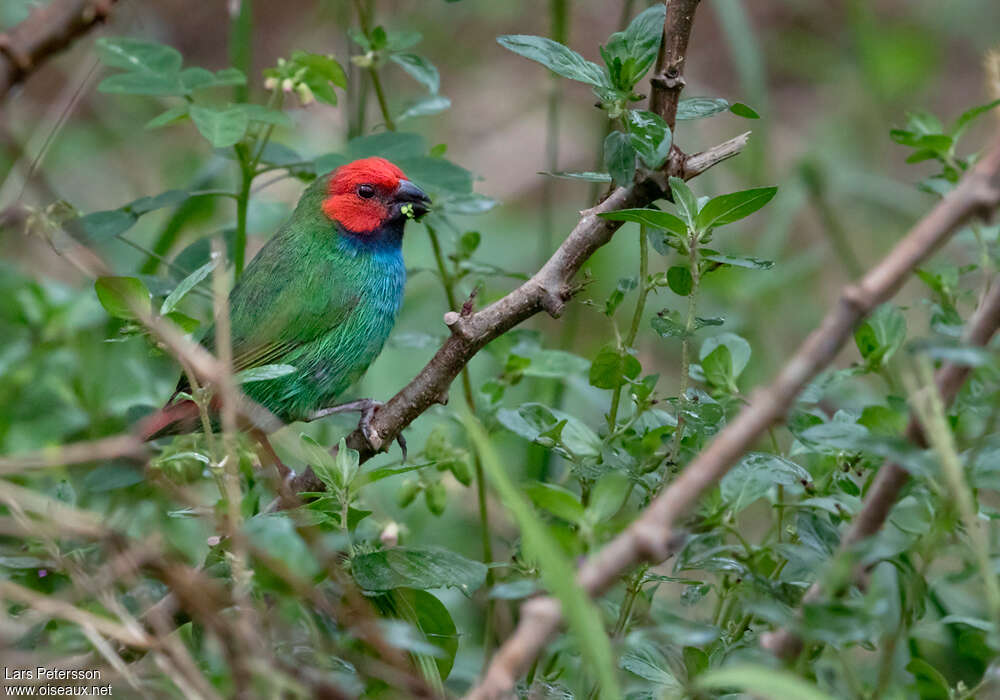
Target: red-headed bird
[[322, 296]]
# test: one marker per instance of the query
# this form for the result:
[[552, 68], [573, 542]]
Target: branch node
[[19, 58], [856, 298], [554, 302]]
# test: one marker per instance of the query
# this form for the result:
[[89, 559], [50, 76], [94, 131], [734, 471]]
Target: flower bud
[[270, 83], [390, 534], [305, 94], [287, 85]]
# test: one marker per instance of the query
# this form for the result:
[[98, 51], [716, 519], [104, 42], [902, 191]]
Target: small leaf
[[222, 127], [260, 113], [619, 158], [556, 57], [761, 681], [881, 335], [556, 500], [171, 116], [700, 107], [650, 217], [586, 176], [608, 496], [425, 106], [745, 262], [650, 137], [727, 208], [185, 286], [103, 225], [417, 567], [742, 110], [120, 295], [612, 368], [684, 199], [420, 69], [680, 281]]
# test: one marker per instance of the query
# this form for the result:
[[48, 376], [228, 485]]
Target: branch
[[651, 536], [47, 30], [891, 478], [549, 290]]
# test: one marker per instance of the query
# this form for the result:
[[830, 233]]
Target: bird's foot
[[367, 408]]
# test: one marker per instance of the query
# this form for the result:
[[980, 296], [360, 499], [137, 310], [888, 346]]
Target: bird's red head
[[367, 194]]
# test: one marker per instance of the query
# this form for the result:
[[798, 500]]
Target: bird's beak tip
[[416, 198]]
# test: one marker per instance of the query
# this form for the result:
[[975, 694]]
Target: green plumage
[[319, 298]]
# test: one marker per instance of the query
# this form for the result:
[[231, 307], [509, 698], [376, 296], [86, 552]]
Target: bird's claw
[[367, 408]]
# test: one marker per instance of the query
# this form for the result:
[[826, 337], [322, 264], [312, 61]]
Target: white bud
[[390, 534], [271, 83], [287, 85], [305, 93]]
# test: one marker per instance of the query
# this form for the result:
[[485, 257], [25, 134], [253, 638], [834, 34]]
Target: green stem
[[448, 283], [240, 46], [633, 331], [242, 204], [693, 240], [558, 18], [373, 70]]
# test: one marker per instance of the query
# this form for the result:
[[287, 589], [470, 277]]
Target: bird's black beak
[[409, 195]]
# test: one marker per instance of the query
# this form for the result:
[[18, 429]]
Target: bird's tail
[[174, 419]]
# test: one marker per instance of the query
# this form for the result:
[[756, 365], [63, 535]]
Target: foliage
[[575, 434]]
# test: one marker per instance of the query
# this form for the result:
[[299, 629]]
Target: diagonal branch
[[47, 30], [651, 536], [550, 288], [891, 478]]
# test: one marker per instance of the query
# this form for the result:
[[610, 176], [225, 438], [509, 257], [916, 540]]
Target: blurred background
[[828, 80]]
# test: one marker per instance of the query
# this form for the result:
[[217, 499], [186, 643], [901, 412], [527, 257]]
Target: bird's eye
[[366, 191]]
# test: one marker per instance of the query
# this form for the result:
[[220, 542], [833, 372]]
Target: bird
[[322, 296]]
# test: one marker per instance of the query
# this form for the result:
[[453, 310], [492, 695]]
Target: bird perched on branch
[[322, 296]]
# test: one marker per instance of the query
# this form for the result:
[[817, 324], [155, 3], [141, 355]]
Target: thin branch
[[651, 537], [548, 290], [47, 30], [891, 478]]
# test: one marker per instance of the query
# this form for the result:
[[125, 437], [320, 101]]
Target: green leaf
[[322, 463], [612, 367], [754, 476], [742, 110], [535, 422], [881, 335], [684, 199], [420, 69], [608, 496], [970, 115], [587, 176], [650, 217], [434, 621], [144, 205], [120, 295], [417, 567], [619, 158], [185, 286], [649, 664], [700, 107], [138, 56], [727, 208], [739, 350], [556, 57], [322, 67], [556, 500], [718, 368], [262, 373], [762, 681], [171, 116], [222, 127], [734, 261], [557, 571], [650, 137], [260, 113], [680, 281], [275, 534], [101, 226], [425, 106]]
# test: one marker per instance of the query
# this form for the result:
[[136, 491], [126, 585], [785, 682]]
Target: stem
[[558, 18], [240, 46], [373, 70], [633, 331], [693, 239], [448, 283], [242, 204]]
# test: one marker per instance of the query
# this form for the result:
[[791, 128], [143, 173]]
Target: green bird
[[322, 296]]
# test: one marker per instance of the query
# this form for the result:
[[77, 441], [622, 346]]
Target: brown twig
[[47, 30], [891, 478], [650, 537]]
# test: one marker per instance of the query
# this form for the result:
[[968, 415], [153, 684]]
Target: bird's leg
[[265, 445], [367, 408]]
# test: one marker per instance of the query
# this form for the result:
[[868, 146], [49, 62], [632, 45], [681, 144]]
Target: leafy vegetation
[[405, 574]]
